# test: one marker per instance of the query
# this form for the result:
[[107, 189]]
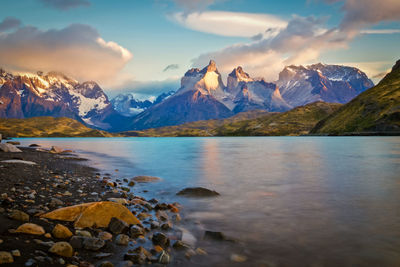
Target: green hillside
[[47, 127], [375, 111], [297, 121], [294, 122], [196, 128]]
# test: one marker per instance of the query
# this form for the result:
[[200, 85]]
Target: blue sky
[[149, 35]]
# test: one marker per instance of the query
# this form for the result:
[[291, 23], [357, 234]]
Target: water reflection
[[291, 201]]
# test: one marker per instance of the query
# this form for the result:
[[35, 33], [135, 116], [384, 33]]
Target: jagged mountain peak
[[239, 74], [211, 67]]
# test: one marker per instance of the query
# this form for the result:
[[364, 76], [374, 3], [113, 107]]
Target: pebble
[[102, 255], [93, 243], [122, 240], [1, 241], [106, 264], [30, 228], [61, 261], [117, 226], [6, 257], [83, 233], [125, 264], [136, 231], [30, 262], [63, 249], [105, 235], [19, 216], [16, 253], [160, 239], [238, 258], [201, 251], [164, 257], [62, 232]]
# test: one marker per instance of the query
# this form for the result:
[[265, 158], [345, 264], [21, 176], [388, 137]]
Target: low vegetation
[[297, 121], [47, 127], [375, 111]]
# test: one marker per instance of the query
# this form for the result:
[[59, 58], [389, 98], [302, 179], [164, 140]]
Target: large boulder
[[9, 148], [95, 214], [197, 192]]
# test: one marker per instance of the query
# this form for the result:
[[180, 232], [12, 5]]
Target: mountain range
[[201, 96]]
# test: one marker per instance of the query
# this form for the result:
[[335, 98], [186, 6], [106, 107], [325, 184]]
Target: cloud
[[230, 23], [171, 67], [9, 23], [301, 41], [361, 13], [380, 31], [77, 50], [65, 4], [194, 5], [145, 89]]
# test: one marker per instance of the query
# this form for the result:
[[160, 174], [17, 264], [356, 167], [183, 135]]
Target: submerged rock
[[197, 192], [95, 214], [145, 179], [210, 235]]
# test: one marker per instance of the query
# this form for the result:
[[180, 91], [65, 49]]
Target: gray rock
[[135, 258], [93, 243], [19, 216], [136, 231], [179, 245], [160, 239], [77, 241], [122, 240], [164, 257], [197, 192], [106, 264], [9, 148], [102, 255], [125, 264], [30, 262], [117, 226]]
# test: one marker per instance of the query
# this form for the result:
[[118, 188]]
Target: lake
[[287, 201]]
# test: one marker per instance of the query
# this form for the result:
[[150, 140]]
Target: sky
[[146, 46]]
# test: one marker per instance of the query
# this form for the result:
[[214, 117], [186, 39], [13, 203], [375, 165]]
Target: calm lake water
[[288, 201]]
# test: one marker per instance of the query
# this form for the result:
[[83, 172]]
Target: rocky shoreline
[[43, 195]]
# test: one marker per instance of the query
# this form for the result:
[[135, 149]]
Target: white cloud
[[380, 31], [77, 50], [231, 23]]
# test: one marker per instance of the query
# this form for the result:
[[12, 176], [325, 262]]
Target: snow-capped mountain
[[127, 105], [301, 85], [54, 94], [197, 99], [244, 93]]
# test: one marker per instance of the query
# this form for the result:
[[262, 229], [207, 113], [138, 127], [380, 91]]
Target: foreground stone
[[6, 257], [95, 214], [63, 249], [145, 179], [30, 228], [19, 216], [197, 192], [9, 148], [61, 232]]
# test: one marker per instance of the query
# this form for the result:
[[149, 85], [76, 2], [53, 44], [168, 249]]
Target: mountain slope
[[54, 94], [47, 127], [195, 100], [375, 110], [301, 85], [297, 121], [247, 93], [196, 128]]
